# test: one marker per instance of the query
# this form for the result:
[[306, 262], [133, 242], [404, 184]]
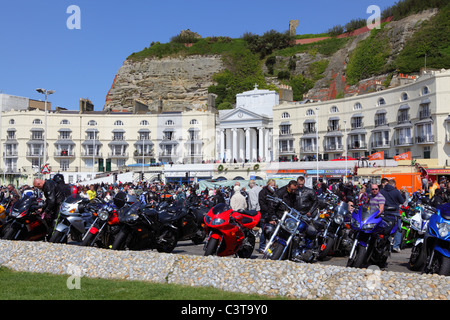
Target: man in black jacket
[[391, 209], [307, 201], [53, 200]]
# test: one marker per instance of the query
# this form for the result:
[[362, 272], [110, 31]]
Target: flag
[[403, 156], [376, 156]]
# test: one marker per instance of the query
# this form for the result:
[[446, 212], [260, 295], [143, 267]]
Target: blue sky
[[37, 50]]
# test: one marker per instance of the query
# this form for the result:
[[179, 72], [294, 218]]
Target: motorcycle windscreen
[[342, 208]]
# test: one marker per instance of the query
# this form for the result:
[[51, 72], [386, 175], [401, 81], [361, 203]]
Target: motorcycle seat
[[250, 213]]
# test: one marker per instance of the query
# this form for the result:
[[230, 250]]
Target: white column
[[247, 143], [222, 145], [241, 145], [234, 154], [266, 146], [261, 144], [253, 138]]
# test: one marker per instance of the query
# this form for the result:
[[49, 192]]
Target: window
[[169, 123], [334, 109], [118, 123], [37, 121], [12, 121], [118, 136], [357, 106], [425, 90], [65, 121], [381, 102], [310, 112], [404, 96], [144, 123], [285, 129], [285, 115], [193, 121], [92, 123]]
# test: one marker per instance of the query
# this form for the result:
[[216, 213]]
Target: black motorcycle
[[187, 221], [335, 237], [23, 223], [143, 227]]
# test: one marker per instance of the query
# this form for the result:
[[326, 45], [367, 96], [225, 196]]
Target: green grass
[[36, 286]]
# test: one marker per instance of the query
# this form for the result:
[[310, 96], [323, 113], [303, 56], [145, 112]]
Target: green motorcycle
[[408, 234]]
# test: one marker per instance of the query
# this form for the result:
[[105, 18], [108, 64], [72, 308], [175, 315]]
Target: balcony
[[32, 154], [425, 139], [407, 141], [91, 154], [333, 128], [308, 149], [381, 144], [11, 154], [286, 151], [140, 154], [424, 114], [118, 155], [333, 147], [357, 145], [63, 154], [309, 130], [380, 122]]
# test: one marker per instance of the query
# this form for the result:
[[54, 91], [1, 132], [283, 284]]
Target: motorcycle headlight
[[290, 225], [355, 223], [217, 221], [415, 224], [15, 213], [103, 215], [369, 226], [338, 219], [444, 229]]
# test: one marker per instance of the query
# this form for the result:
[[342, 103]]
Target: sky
[[39, 50]]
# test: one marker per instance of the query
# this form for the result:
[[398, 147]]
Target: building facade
[[413, 117]]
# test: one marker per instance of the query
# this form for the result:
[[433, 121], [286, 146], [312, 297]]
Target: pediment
[[241, 114]]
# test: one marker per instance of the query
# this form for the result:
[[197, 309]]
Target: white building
[[244, 134]]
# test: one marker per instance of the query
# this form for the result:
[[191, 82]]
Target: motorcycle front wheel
[[359, 258], [58, 237], [211, 246], [276, 250], [168, 242], [120, 241], [325, 248], [416, 260]]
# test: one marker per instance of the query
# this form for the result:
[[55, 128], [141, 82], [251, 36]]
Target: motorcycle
[[408, 235], [5, 208], [230, 232], [435, 248], [335, 236], [143, 227], [419, 226], [74, 217], [187, 221], [294, 237], [372, 237], [104, 228], [23, 223]]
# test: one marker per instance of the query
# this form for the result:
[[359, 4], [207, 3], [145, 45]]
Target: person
[[13, 194], [307, 201], [362, 197], [218, 197], [83, 193], [91, 192], [376, 199], [253, 196], [405, 195], [267, 209], [446, 193], [288, 194], [438, 198], [49, 210], [392, 205], [237, 201]]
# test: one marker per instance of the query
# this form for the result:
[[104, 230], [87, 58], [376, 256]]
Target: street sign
[[45, 170]]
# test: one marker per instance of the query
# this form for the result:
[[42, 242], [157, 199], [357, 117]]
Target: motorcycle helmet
[[58, 178], [120, 199], [268, 230], [445, 210]]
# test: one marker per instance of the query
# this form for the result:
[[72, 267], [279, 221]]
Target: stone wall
[[255, 276]]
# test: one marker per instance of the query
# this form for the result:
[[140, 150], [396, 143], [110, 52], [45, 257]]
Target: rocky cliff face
[[180, 83], [174, 83]]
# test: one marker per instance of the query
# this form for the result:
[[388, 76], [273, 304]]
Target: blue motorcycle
[[436, 248], [372, 234]]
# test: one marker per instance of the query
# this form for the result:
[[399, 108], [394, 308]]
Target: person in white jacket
[[253, 196], [237, 201]]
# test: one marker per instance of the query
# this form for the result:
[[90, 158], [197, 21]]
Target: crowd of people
[[384, 197]]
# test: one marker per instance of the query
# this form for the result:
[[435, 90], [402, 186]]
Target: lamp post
[[317, 144], [45, 93], [346, 149]]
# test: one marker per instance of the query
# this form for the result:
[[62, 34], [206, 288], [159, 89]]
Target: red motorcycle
[[230, 232]]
